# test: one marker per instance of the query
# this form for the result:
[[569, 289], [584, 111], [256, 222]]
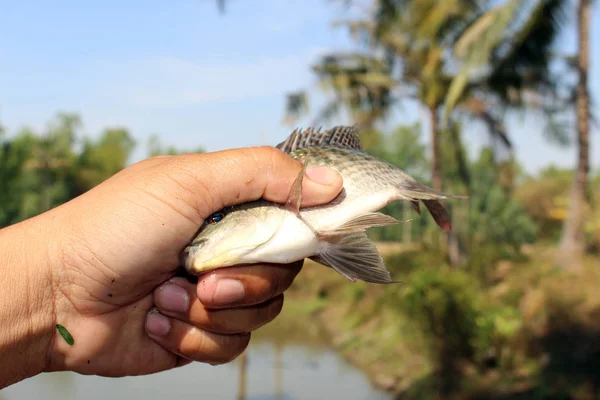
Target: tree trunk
[[456, 254], [572, 244], [436, 176]]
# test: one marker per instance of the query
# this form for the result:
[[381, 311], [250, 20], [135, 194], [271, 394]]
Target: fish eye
[[216, 217]]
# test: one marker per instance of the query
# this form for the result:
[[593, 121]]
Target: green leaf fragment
[[65, 334]]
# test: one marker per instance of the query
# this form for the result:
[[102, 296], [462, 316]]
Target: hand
[[113, 285]]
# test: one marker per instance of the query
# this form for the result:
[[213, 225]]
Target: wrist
[[28, 251]]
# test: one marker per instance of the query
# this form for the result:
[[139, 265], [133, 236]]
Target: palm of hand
[[107, 283]]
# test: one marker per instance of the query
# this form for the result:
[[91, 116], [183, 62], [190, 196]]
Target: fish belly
[[293, 241]]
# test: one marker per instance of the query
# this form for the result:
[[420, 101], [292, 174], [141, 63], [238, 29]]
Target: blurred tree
[[101, 159], [572, 244], [498, 222], [156, 148], [50, 162], [513, 41], [445, 305], [41, 171], [545, 199], [507, 49], [13, 154]]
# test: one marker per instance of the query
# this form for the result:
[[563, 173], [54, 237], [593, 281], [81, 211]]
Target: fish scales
[[361, 172]]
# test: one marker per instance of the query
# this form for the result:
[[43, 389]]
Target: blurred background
[[496, 99]]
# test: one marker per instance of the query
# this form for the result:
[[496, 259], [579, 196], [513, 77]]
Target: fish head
[[227, 236]]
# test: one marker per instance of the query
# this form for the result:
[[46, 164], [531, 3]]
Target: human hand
[[119, 251]]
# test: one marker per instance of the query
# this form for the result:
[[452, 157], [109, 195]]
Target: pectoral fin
[[295, 195], [361, 223], [355, 257]]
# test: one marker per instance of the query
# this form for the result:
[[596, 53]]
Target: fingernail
[[171, 297], [157, 324], [322, 175], [228, 291]]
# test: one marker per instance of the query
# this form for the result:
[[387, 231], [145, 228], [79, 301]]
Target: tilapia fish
[[333, 234]]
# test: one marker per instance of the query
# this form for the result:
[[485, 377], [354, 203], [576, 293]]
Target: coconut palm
[[573, 240], [513, 41]]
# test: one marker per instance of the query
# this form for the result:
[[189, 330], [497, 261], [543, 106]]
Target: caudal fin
[[439, 214], [415, 192]]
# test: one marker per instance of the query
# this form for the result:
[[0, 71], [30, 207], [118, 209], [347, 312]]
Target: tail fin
[[439, 214], [414, 191]]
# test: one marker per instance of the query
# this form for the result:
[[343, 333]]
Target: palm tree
[[572, 244], [505, 47]]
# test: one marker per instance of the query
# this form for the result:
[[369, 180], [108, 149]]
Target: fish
[[332, 234]]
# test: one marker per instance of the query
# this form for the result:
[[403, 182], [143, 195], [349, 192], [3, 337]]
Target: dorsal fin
[[339, 136]]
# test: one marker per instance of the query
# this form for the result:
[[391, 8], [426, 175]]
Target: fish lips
[[187, 256], [190, 261]]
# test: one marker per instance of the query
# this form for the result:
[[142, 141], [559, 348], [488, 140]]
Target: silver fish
[[333, 234]]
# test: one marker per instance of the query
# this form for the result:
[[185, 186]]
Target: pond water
[[275, 370]]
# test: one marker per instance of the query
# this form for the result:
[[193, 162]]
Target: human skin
[[103, 265]]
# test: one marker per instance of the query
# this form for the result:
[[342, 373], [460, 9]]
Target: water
[[285, 371]]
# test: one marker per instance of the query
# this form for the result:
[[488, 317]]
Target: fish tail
[[415, 192], [439, 214]]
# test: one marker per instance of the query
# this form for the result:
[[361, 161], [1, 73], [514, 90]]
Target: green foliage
[[545, 199], [156, 148], [498, 223], [445, 304], [103, 158], [13, 182], [40, 171], [36, 170]]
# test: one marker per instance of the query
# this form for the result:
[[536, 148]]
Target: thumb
[[229, 177]]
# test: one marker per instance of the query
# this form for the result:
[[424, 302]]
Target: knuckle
[[274, 308], [233, 346], [283, 278], [277, 282]]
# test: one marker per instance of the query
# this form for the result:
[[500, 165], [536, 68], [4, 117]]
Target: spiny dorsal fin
[[339, 136]]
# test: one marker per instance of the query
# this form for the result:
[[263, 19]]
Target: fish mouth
[[188, 259], [184, 256]]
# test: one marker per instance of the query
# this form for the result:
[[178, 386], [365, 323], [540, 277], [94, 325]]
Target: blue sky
[[197, 78]]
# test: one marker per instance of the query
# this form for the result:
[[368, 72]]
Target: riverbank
[[525, 330]]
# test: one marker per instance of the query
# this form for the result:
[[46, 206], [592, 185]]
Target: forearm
[[27, 251]]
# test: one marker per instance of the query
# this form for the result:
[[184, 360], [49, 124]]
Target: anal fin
[[355, 257]]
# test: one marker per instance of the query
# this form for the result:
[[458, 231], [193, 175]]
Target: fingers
[[194, 343], [210, 321], [215, 180], [246, 285], [177, 298]]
